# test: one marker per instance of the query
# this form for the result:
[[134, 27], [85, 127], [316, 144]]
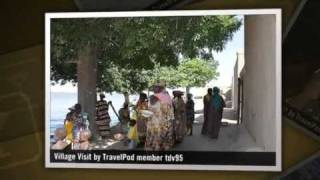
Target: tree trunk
[[187, 90], [126, 98], [87, 78]]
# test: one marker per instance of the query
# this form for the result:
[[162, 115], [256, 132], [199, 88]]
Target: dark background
[[22, 83]]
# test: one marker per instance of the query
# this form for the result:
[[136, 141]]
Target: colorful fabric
[[164, 97], [69, 129], [78, 124], [180, 120], [102, 118], [141, 121], [133, 132], [160, 127]]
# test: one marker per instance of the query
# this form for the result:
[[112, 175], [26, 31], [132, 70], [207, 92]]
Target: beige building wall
[[236, 74], [259, 81]]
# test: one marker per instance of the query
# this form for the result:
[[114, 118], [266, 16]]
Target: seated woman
[[60, 135]]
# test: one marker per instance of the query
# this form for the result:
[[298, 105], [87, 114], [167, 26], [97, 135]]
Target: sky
[[226, 60]]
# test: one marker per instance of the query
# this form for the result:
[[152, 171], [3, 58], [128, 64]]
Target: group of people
[[75, 134], [212, 112], [157, 122]]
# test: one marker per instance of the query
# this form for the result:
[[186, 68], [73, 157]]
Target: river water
[[61, 101]]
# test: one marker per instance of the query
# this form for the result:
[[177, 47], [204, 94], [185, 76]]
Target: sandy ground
[[232, 137]]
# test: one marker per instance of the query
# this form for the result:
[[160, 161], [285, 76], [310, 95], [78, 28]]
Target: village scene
[[159, 84]]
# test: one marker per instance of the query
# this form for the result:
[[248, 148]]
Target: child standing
[[133, 131]]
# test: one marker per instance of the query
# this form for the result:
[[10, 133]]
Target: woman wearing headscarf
[[206, 102], [73, 123], [68, 125], [215, 111], [190, 114], [102, 117], [180, 120], [159, 134]]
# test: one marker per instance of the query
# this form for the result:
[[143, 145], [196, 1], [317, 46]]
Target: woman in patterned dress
[[159, 135], [142, 104], [180, 120], [102, 117]]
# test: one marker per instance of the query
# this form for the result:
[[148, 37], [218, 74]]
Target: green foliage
[[197, 72], [129, 48], [190, 73], [125, 79]]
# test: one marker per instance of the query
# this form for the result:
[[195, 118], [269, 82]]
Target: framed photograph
[[308, 169], [302, 78], [166, 90]]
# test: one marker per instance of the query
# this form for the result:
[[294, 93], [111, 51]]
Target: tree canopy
[[189, 73], [131, 47], [195, 72]]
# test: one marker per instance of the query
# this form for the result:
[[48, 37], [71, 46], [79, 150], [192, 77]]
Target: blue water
[[61, 101]]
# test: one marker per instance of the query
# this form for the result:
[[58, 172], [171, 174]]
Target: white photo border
[[278, 73]]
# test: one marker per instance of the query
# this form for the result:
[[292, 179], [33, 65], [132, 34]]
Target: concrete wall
[[259, 81], [236, 74], [235, 87]]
